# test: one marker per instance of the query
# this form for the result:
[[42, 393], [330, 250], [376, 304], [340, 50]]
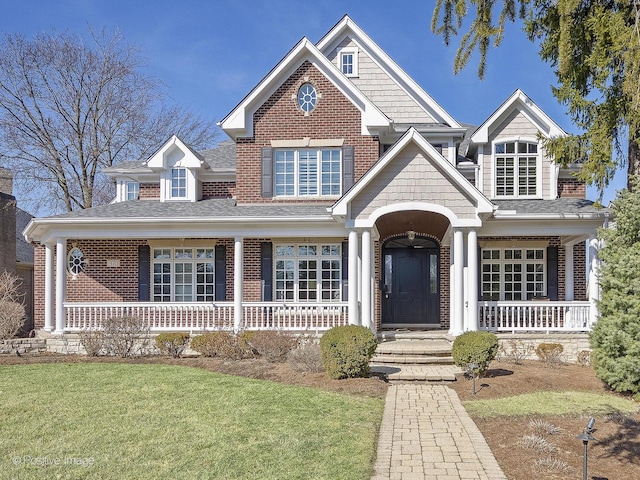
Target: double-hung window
[[307, 172], [183, 275], [308, 272], [513, 273], [178, 182], [132, 191], [516, 169]]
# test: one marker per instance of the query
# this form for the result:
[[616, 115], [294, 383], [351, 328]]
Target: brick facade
[[279, 118], [149, 191], [218, 190], [571, 188]]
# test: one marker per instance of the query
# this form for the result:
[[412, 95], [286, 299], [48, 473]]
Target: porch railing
[[534, 316], [195, 317]]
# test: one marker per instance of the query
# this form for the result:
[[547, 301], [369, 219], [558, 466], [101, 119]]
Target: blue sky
[[210, 54]]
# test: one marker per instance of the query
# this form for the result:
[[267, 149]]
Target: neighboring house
[[16, 254], [345, 195]]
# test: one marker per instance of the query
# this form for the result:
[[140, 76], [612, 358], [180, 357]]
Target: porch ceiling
[[418, 221]]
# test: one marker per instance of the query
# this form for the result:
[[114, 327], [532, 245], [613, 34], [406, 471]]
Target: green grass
[[551, 403], [160, 421]]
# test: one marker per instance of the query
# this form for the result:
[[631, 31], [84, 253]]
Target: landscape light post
[[586, 438]]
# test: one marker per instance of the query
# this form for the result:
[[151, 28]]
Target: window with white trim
[[349, 62], [516, 169], [178, 182], [308, 272], [183, 275], [513, 273], [307, 172], [132, 191]]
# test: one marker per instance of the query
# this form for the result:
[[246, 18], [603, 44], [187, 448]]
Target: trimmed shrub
[[584, 358], [346, 351], [243, 340], [123, 334], [216, 344], [93, 342], [550, 353], [273, 345], [478, 348], [516, 353], [172, 343]]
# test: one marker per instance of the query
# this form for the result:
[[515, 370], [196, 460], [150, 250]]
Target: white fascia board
[[131, 171], [240, 121], [551, 227], [347, 26], [535, 114], [47, 230], [190, 160], [412, 135]]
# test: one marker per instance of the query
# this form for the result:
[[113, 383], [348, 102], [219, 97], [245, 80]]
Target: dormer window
[[348, 59], [132, 191], [178, 182], [516, 169]]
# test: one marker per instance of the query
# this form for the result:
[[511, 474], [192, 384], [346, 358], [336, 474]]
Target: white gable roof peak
[[176, 151], [519, 100], [239, 123], [347, 27], [484, 205]]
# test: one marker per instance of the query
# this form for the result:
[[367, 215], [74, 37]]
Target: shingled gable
[[518, 100], [346, 27], [189, 158], [239, 123], [483, 207]]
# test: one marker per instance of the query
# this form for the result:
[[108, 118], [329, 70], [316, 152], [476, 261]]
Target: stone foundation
[[23, 345], [573, 343]]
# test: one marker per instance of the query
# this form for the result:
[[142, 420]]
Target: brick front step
[[417, 373]]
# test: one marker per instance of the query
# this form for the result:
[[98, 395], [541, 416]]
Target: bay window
[[308, 272], [513, 273]]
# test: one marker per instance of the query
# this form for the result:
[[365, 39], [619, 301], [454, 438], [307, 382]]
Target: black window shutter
[[480, 273], [267, 172], [347, 167], [144, 272], [345, 271], [552, 273], [221, 273], [266, 270]]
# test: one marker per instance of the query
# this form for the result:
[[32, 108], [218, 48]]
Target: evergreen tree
[[615, 338], [594, 48]]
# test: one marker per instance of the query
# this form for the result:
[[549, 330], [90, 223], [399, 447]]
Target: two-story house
[[346, 194]]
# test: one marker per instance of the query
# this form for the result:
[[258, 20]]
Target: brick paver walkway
[[427, 434]]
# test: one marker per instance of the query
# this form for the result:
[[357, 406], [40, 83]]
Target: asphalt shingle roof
[[212, 208], [557, 206]]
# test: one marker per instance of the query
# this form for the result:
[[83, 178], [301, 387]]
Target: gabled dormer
[[512, 161]]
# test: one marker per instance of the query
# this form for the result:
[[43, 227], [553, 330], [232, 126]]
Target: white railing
[[209, 316], [534, 316]]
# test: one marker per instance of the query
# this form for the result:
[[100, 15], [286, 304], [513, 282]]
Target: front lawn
[[93, 420]]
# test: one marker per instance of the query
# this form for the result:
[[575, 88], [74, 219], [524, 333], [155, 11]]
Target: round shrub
[[212, 344], [479, 348], [347, 350], [172, 343]]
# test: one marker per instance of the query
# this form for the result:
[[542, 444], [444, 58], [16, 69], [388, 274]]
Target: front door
[[410, 288]]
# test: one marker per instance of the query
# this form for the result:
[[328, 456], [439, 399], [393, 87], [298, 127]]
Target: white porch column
[[593, 285], [367, 318], [458, 283], [472, 283], [568, 273], [237, 283], [61, 283], [48, 287], [353, 278]]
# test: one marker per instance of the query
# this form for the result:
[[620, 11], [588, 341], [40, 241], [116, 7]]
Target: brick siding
[[150, 191], [279, 118], [571, 188], [218, 190]]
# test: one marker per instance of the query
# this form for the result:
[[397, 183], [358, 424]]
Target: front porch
[[499, 317]]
